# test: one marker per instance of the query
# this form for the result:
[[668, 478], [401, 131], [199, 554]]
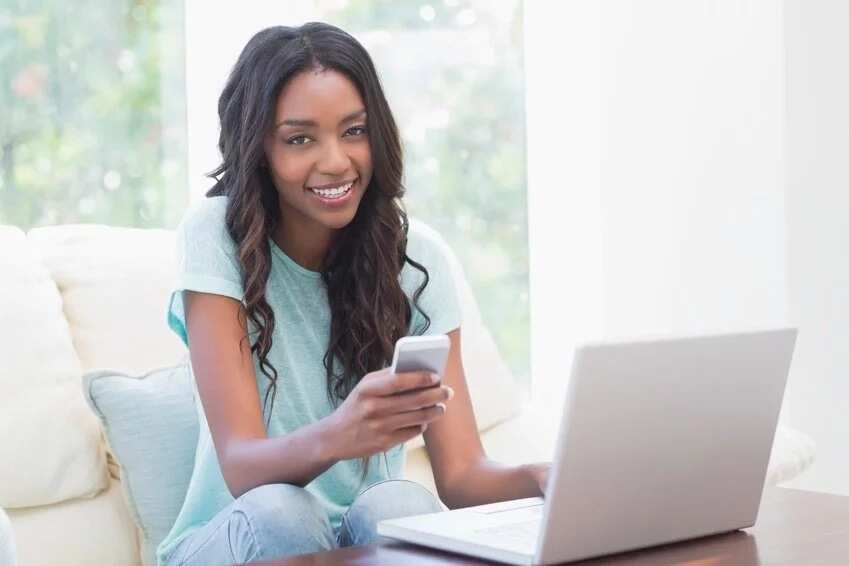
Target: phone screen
[[431, 359]]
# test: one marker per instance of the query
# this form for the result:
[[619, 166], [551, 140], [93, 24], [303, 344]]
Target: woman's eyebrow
[[353, 116], [311, 123]]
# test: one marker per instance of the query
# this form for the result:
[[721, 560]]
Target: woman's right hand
[[385, 409]]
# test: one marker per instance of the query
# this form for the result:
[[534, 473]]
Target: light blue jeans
[[278, 520]]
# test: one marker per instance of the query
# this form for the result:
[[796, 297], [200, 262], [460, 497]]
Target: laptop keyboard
[[520, 536]]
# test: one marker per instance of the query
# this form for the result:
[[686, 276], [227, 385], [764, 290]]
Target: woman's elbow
[[244, 468], [235, 480], [236, 471]]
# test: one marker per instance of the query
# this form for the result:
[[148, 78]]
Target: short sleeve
[[439, 299], [206, 260]]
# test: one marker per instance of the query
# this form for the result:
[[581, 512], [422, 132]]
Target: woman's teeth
[[336, 192]]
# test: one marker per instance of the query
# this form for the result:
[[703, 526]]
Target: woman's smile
[[336, 194]]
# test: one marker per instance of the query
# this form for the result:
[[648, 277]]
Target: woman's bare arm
[[463, 474], [372, 418], [223, 367]]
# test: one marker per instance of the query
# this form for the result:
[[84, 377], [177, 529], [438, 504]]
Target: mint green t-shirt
[[207, 263]]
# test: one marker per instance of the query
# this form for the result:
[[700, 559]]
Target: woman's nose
[[334, 160]]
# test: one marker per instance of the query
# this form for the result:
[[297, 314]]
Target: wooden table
[[793, 527]]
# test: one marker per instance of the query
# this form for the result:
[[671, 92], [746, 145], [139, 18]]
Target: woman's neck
[[306, 247]]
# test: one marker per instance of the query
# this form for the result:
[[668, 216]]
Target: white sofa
[[77, 298]]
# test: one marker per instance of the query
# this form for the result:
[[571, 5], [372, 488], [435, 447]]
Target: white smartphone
[[421, 353]]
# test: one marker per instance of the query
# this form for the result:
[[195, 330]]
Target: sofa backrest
[[50, 443], [115, 283]]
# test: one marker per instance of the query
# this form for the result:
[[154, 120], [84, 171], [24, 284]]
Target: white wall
[[818, 230], [563, 98], [691, 161], [721, 141], [655, 179]]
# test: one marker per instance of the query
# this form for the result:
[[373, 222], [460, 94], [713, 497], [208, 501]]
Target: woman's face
[[318, 151]]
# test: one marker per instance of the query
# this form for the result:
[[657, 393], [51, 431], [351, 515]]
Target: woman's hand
[[540, 474], [384, 410]]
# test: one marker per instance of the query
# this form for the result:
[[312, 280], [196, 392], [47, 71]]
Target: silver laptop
[[660, 441]]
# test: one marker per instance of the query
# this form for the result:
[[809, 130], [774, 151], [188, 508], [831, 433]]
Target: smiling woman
[[304, 252]]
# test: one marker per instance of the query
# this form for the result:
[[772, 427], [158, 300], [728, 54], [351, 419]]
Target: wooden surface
[[793, 527]]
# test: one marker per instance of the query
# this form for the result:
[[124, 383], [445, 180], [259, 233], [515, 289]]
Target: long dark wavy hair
[[361, 271]]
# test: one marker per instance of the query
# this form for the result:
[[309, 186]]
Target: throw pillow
[[151, 426]]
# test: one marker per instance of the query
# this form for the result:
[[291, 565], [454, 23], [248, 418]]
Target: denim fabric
[[277, 520]]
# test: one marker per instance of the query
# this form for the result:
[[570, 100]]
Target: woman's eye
[[357, 130], [297, 140]]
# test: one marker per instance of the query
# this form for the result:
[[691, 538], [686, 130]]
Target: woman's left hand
[[540, 474]]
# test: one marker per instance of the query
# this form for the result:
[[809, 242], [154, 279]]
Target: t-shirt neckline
[[294, 265]]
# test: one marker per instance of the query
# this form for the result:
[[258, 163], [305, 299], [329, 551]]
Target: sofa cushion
[[35, 342], [50, 447], [114, 283], [151, 427], [81, 532]]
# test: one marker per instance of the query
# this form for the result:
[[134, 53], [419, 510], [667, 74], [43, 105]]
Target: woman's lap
[[282, 520], [268, 521], [389, 499]]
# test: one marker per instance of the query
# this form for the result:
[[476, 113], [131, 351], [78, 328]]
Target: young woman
[[297, 276]]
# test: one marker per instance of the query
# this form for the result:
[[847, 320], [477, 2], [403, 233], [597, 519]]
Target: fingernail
[[434, 378], [450, 392], [443, 407]]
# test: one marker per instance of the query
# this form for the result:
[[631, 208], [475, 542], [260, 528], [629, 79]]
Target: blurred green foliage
[[453, 74], [89, 131]]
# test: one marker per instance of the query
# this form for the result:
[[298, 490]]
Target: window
[[93, 124], [453, 73]]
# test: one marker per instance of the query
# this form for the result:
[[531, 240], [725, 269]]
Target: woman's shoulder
[[424, 240], [205, 221], [209, 211], [439, 299], [203, 234], [426, 246]]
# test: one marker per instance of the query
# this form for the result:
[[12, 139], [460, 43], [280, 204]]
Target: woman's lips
[[332, 197]]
